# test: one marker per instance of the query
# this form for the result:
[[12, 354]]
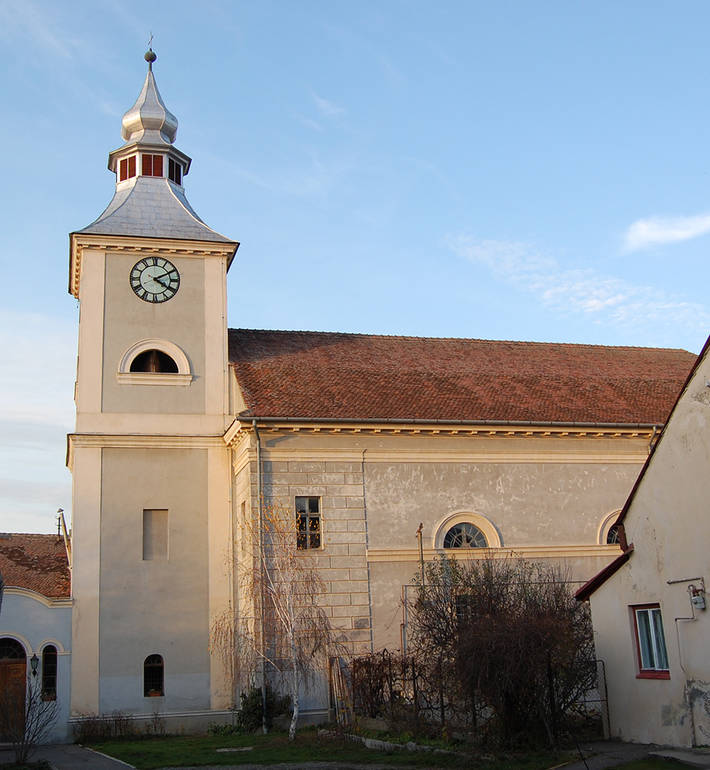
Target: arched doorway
[[13, 678]]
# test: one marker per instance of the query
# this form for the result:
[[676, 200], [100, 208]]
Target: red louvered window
[[152, 165], [127, 168]]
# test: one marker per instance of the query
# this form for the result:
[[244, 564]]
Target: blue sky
[[505, 170]]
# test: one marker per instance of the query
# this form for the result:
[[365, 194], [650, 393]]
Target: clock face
[[154, 279]]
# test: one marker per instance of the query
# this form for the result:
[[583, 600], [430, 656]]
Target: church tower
[[151, 477]]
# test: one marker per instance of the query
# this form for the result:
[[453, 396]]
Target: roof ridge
[[596, 346]]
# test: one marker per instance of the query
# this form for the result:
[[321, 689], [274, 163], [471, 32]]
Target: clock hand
[[159, 279]]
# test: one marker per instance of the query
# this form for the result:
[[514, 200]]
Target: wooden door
[[12, 698]]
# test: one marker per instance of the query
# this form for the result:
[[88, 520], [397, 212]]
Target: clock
[[154, 279]]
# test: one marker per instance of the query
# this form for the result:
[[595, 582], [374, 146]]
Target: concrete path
[[70, 757]]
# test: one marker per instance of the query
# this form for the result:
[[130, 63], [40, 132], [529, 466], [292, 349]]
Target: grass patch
[[186, 751]]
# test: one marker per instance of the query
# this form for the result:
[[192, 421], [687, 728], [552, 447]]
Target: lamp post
[[34, 663]]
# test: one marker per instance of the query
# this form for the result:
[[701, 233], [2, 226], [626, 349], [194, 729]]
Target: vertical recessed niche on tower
[[151, 409]]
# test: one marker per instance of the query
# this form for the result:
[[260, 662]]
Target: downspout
[[686, 690], [264, 727]]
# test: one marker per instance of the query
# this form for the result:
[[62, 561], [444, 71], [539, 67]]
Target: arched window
[[608, 532], [154, 361], [612, 536], [49, 672], [153, 676], [465, 535]]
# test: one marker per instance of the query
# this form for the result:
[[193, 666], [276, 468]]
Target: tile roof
[[323, 375], [37, 562]]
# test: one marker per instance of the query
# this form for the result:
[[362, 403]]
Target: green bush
[[249, 716]]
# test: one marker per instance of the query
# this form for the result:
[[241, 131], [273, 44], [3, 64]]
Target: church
[[385, 448]]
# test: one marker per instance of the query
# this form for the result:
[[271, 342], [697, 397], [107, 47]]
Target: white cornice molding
[[153, 378], [140, 246], [138, 441], [508, 552], [466, 454], [501, 430], [52, 603]]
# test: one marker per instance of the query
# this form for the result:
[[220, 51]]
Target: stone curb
[[378, 745]]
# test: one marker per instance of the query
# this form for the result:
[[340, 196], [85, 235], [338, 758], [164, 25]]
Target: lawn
[[186, 751]]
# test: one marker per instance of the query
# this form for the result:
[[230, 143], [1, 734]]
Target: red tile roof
[[37, 562], [324, 375]]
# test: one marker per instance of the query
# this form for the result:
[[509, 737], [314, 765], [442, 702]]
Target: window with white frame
[[650, 642], [465, 535]]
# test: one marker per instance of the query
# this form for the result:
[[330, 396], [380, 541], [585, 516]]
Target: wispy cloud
[[36, 413], [602, 298], [310, 123], [654, 231], [24, 19], [327, 108]]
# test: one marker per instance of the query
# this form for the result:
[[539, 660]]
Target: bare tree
[[509, 636], [281, 630], [25, 727]]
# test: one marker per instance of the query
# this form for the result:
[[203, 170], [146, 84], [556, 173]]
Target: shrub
[[249, 716]]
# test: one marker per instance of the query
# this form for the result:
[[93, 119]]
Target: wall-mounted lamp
[[34, 663]]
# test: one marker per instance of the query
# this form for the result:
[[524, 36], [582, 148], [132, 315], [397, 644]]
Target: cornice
[[466, 454], [47, 601], [419, 428], [137, 441], [520, 552], [138, 246]]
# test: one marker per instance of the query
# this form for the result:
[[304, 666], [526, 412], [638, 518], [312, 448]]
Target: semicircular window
[[10, 649], [612, 536], [154, 361], [465, 535]]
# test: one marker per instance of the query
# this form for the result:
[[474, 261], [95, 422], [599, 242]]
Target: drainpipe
[[692, 591], [262, 576]]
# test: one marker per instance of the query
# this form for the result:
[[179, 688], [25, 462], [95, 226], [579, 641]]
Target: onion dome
[[149, 120]]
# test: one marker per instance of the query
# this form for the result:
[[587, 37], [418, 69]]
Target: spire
[[149, 121], [150, 198]]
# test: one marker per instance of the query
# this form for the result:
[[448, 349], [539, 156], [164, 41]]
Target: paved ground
[[597, 756], [70, 757]]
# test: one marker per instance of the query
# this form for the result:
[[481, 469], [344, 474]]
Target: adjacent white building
[[649, 607]]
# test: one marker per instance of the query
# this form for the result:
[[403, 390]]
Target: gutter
[[245, 416]]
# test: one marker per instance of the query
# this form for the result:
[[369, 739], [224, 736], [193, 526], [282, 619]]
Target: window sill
[[653, 675], [153, 378]]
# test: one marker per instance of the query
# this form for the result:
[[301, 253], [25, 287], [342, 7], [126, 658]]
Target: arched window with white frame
[[154, 362]]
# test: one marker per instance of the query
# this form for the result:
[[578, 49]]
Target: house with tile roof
[[649, 605], [186, 431], [35, 621]]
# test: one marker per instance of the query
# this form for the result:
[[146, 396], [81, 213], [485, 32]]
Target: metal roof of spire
[[149, 120], [145, 205]]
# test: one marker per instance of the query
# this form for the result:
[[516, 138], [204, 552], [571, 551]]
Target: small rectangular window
[[123, 172], [155, 534], [174, 171], [147, 165], [131, 166], [308, 525], [650, 642]]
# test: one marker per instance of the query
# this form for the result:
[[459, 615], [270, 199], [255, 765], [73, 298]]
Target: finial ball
[[150, 56]]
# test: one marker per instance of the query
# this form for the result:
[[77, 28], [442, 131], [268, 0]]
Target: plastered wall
[[669, 527], [158, 606]]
